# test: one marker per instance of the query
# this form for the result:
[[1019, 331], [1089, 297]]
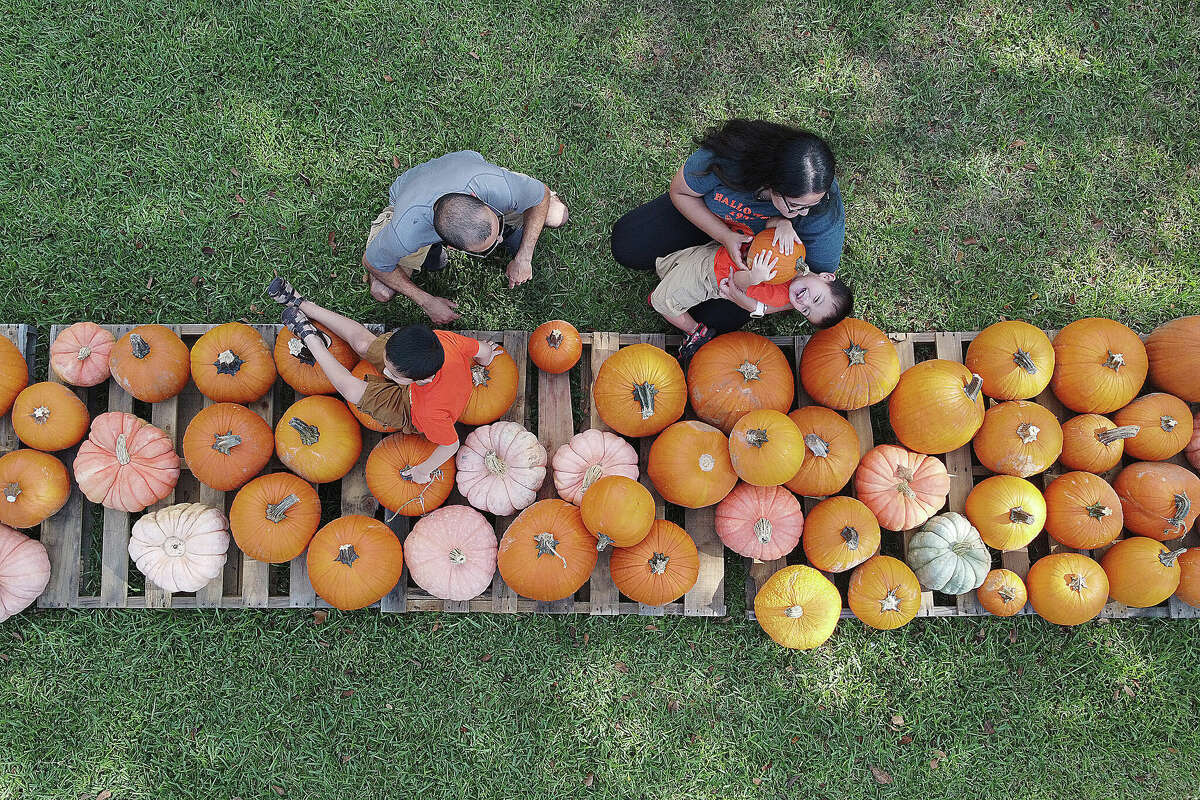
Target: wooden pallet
[[25, 338], [965, 471]]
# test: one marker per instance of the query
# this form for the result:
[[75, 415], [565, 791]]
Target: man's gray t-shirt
[[413, 194]]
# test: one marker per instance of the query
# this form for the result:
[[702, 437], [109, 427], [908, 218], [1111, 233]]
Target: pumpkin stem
[[347, 555], [749, 371], [138, 346], [762, 529], [707, 462], [1020, 516], [593, 474], [548, 545], [1076, 582], [224, 442], [122, 450], [643, 394], [479, 375], [84, 352], [1107, 437], [1025, 361], [972, 388], [816, 445], [277, 511], [554, 339], [494, 463], [850, 537], [1183, 507], [309, 434], [1028, 433], [457, 557], [1115, 361], [11, 491], [890, 602], [40, 415], [1007, 594], [757, 437], [300, 352], [794, 612], [1098, 511], [903, 475], [1167, 423], [855, 354], [228, 363], [658, 563], [602, 541], [1168, 559]]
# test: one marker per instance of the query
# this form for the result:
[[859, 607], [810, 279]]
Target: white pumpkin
[[182, 547], [500, 468], [948, 555], [24, 571]]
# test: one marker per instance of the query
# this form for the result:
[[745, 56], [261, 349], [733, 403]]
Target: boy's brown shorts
[[686, 279], [385, 400]]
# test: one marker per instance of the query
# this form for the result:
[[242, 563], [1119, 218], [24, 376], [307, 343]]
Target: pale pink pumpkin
[[24, 571], [182, 547], [1193, 448], [126, 463], [79, 354], [500, 468], [588, 457], [763, 522], [451, 553]]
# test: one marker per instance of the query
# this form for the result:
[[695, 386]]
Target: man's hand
[[785, 237], [440, 310], [519, 270], [762, 268], [733, 245], [487, 352]]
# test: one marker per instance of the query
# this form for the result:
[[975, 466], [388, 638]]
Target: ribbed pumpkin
[[1067, 588], [24, 571], [1164, 425], [762, 522], [1099, 365], [361, 370], [273, 517], [14, 374], [1093, 443], [182, 547], [48, 416], [33, 486], [798, 607], [736, 373], [354, 561], [839, 534], [231, 364], [494, 388], [1018, 438], [500, 468], [301, 371], [547, 553], [902, 489], [659, 569], [1141, 572], [689, 465], [1082, 511], [396, 492], [151, 363], [766, 448], [884, 593], [851, 365], [936, 407], [948, 555], [640, 390], [831, 452], [1014, 358], [79, 354], [1159, 500], [126, 463], [1008, 512], [617, 511], [451, 553], [1174, 355], [226, 445], [785, 263], [1193, 449], [555, 346], [586, 458], [1189, 577], [1002, 593], [318, 439]]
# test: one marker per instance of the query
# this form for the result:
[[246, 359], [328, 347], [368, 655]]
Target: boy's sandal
[[693, 342], [301, 326], [283, 293]]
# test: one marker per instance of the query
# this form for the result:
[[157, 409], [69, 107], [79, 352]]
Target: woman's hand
[[487, 352], [785, 237], [733, 242]]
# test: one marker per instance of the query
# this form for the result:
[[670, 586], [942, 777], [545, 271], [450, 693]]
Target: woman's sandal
[[301, 326], [283, 293]]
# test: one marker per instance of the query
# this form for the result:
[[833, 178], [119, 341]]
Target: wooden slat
[[707, 597], [256, 575], [25, 339], [164, 415], [643, 444], [904, 347], [605, 599], [504, 599], [114, 553], [555, 428]]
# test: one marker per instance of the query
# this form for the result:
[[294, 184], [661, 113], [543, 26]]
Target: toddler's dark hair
[[841, 304], [415, 352]]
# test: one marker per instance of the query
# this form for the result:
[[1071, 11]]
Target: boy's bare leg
[[685, 322], [354, 334]]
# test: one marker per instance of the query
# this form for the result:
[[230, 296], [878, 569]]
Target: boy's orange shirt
[[437, 405], [773, 295]]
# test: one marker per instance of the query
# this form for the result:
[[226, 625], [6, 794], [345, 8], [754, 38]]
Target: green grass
[[1034, 160]]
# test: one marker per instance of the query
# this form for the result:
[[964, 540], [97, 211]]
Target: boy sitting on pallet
[[427, 373]]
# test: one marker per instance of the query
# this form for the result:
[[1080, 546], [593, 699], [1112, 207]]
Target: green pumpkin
[[948, 555]]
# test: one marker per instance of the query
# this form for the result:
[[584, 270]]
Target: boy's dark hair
[[462, 219], [415, 351], [749, 155], [841, 304]]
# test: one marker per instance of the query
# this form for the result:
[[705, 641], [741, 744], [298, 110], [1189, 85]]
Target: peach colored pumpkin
[[24, 571], [763, 522], [79, 354], [451, 553], [586, 458], [126, 463], [500, 468], [182, 547], [902, 488]]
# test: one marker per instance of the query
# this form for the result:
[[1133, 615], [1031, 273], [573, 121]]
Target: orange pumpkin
[[1082, 511], [901, 488], [318, 439], [1192, 451], [48, 416], [1018, 438], [361, 371], [1067, 588], [1175, 357], [736, 373], [839, 534], [273, 517], [766, 448], [1099, 365], [80, 353], [14, 374], [1002, 593], [301, 371], [151, 363], [689, 465], [385, 469], [798, 607], [1189, 577], [1164, 425], [1014, 358], [937, 406], [617, 511], [226, 445], [1093, 443], [354, 561], [231, 364], [33, 486], [1159, 500], [555, 346], [884, 593], [832, 451], [659, 569], [547, 553], [1007, 511], [494, 388], [640, 390], [786, 263], [851, 365], [1141, 572]]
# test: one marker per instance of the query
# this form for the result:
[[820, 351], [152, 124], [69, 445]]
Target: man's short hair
[[462, 220], [415, 352], [841, 304]]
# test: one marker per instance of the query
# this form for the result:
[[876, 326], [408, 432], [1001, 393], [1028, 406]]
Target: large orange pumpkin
[[226, 445], [689, 465], [884, 593], [1082, 511], [1002, 593], [80, 353], [1164, 425], [1014, 358], [766, 448], [1018, 438], [354, 561], [48, 416], [1067, 588], [33, 486], [936, 407], [901, 488], [839, 534], [361, 371], [1008, 512], [273, 517], [1093, 443], [617, 511], [494, 388], [831, 452], [126, 463], [1173, 349], [851, 365], [1189, 577], [555, 346], [318, 439], [736, 373], [300, 370], [798, 607], [1099, 365], [1141, 572], [385, 469], [785, 263], [1159, 500], [547, 553], [14, 374], [231, 364], [640, 390], [659, 569], [151, 363]]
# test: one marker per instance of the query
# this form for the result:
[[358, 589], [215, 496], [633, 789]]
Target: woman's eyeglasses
[[795, 208]]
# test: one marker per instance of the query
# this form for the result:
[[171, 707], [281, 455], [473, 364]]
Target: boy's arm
[[486, 352], [732, 293], [423, 472], [348, 386]]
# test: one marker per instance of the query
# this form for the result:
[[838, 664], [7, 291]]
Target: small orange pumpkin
[[1014, 358], [385, 469], [14, 374], [1082, 511], [884, 593], [151, 363], [832, 452], [617, 511], [231, 364], [640, 390], [736, 373], [936, 407], [659, 569], [318, 439], [300, 370], [33, 486], [361, 371], [273, 517], [851, 365], [1164, 425], [547, 553], [1003, 593], [689, 465], [1093, 443], [494, 388], [766, 448], [1159, 500], [555, 346], [839, 534], [226, 445], [1141, 572], [1008, 512], [1189, 577], [1099, 365], [785, 263], [354, 561], [1018, 438], [1067, 588], [1174, 357], [48, 416]]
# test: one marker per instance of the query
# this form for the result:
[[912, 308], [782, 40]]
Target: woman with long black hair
[[745, 176]]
